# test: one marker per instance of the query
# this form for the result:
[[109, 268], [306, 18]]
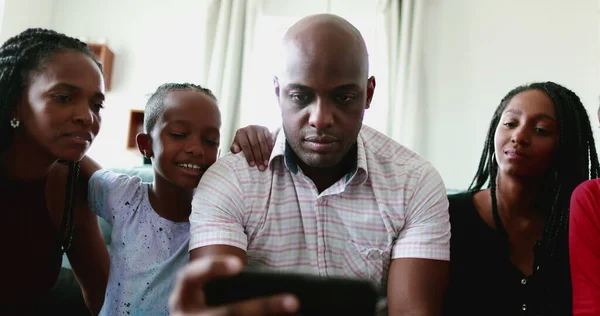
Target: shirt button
[[524, 307], [537, 268], [523, 281]]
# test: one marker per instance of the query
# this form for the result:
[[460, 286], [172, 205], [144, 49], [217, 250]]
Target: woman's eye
[[176, 135], [98, 106], [63, 98]]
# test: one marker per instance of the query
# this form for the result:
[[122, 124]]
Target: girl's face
[[60, 111], [527, 135]]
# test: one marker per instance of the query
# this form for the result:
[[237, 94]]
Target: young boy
[[150, 221]]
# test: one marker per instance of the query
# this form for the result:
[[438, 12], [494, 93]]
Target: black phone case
[[318, 296]]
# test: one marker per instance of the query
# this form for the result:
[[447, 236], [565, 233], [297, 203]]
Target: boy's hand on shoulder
[[256, 142]]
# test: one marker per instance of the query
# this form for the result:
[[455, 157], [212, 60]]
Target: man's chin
[[320, 160]]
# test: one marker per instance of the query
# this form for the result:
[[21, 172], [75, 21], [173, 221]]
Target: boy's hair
[[154, 106], [575, 161], [20, 56]]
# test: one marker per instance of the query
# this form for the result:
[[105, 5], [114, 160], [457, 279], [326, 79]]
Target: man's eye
[[299, 97]]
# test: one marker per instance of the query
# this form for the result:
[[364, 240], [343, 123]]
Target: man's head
[[323, 88]]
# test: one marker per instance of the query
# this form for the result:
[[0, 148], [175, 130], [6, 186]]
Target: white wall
[[153, 41], [476, 51], [18, 15]]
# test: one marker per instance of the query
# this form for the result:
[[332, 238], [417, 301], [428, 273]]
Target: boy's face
[[185, 140]]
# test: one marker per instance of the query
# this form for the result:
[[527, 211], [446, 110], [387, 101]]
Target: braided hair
[[155, 108], [20, 56], [575, 161]]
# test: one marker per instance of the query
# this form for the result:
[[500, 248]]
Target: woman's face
[[527, 135], [60, 111]]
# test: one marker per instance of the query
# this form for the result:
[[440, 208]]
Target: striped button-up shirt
[[392, 204]]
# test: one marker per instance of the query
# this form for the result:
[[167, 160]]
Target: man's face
[[323, 93]]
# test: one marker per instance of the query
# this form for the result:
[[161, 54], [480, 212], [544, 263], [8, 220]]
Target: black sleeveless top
[[483, 281], [31, 260]]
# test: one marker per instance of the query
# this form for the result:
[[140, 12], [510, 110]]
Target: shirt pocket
[[367, 263]]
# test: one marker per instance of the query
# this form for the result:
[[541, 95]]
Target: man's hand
[[187, 297]]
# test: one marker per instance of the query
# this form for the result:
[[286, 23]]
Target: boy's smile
[[185, 141]]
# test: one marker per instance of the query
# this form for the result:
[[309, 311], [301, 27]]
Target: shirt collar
[[357, 173]]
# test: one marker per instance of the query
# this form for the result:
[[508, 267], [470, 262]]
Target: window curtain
[[227, 42], [403, 24]]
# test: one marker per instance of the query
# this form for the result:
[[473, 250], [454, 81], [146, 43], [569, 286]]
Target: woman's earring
[[14, 123]]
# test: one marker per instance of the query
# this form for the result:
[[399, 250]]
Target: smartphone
[[317, 295]]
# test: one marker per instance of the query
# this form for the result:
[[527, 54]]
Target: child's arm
[[87, 168], [256, 142], [88, 257]]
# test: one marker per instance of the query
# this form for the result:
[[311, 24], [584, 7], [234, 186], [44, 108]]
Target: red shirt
[[584, 247]]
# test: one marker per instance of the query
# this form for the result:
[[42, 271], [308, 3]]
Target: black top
[[31, 260], [483, 281]]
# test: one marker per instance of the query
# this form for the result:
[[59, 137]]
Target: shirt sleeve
[[426, 230], [584, 247], [217, 216], [109, 192]]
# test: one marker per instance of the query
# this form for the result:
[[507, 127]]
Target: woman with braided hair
[[51, 93], [509, 245]]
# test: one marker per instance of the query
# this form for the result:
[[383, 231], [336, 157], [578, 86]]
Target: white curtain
[[227, 42], [237, 73], [403, 24]]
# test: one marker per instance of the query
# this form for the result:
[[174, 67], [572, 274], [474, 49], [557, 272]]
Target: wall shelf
[[136, 126], [105, 57]]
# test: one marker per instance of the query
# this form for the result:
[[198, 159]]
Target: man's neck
[[325, 177]]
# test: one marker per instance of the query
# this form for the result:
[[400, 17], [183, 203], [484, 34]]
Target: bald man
[[338, 198]]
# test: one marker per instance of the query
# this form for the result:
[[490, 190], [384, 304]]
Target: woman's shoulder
[[462, 209], [585, 201], [589, 188], [461, 199]]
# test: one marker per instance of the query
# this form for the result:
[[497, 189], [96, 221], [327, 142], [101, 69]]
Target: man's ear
[[144, 144], [276, 85], [370, 91]]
